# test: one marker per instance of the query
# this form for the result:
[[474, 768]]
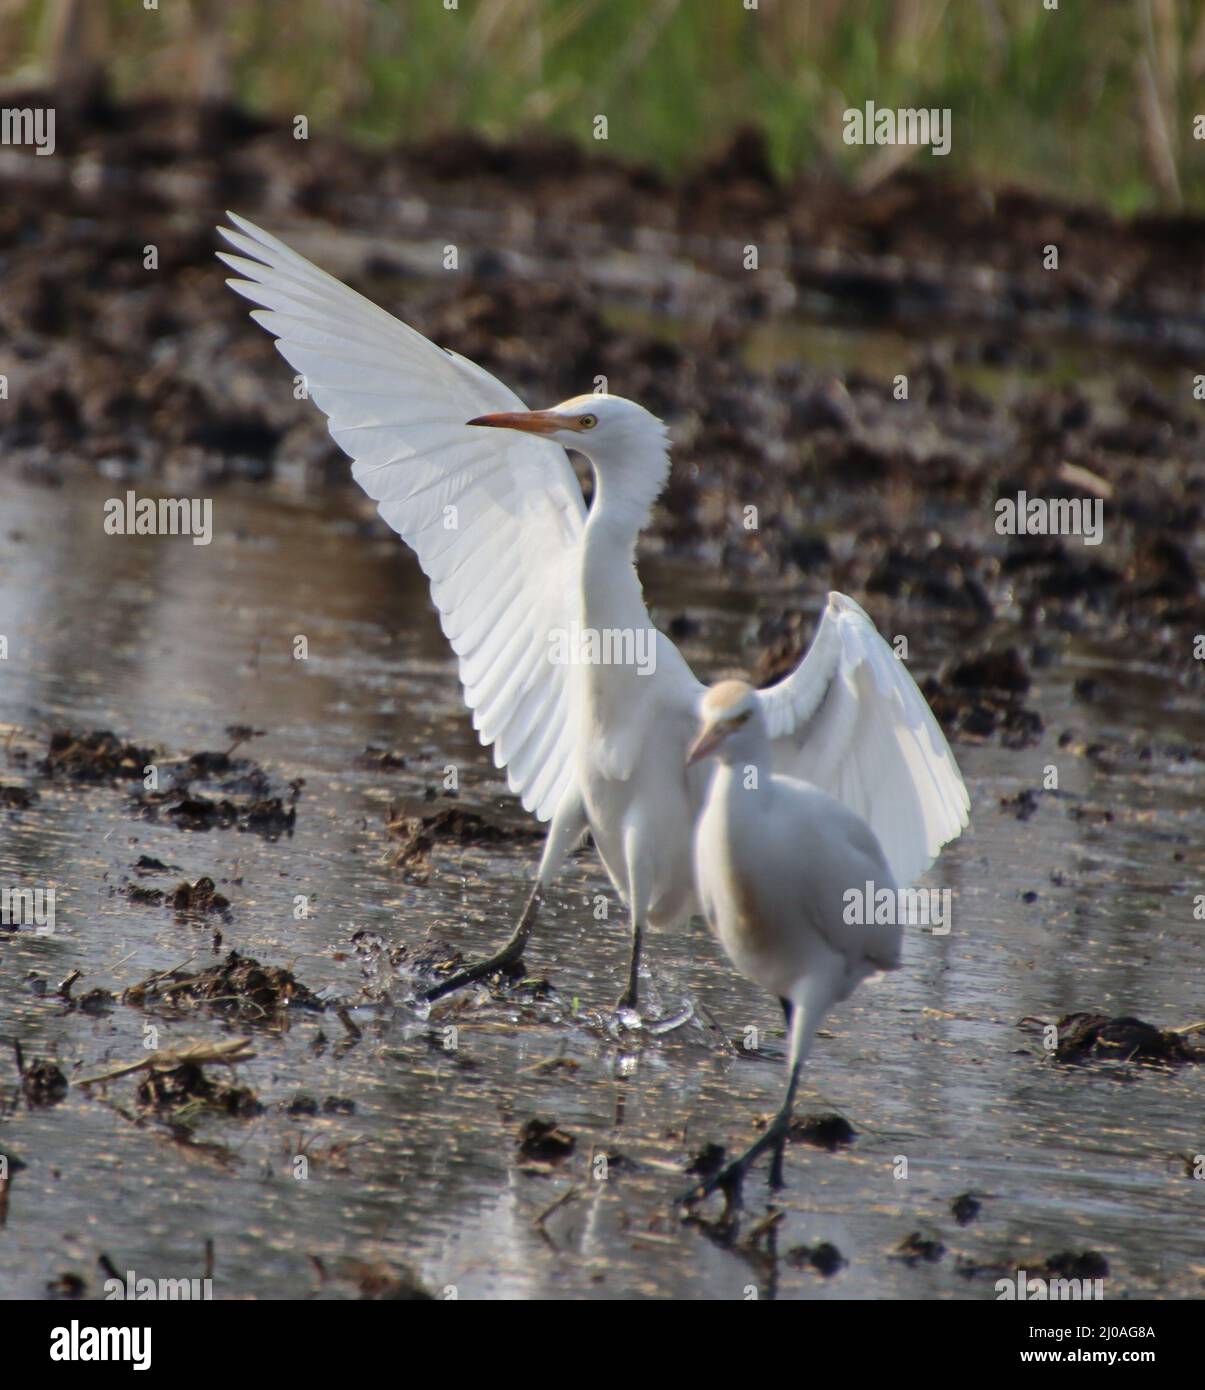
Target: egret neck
[[627, 482], [744, 777]]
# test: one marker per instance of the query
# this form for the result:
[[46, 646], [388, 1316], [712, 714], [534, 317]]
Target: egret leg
[[731, 1176], [803, 1018], [567, 828], [637, 907], [630, 997], [501, 962]]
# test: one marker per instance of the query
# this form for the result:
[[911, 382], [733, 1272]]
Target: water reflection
[[167, 644]]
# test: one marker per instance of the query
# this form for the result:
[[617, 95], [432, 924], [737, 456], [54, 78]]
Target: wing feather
[[503, 564], [851, 720]]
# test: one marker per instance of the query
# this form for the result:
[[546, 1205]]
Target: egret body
[[774, 858]]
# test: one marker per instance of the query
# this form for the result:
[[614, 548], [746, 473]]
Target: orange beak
[[529, 421], [706, 744]]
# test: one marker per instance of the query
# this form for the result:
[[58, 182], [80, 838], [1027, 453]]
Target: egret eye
[[587, 422]]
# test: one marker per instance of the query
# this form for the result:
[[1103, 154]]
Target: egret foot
[[502, 962], [730, 1178]]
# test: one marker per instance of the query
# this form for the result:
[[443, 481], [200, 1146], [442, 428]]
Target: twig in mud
[[169, 1058], [767, 1223], [566, 1197], [144, 985], [547, 1064]]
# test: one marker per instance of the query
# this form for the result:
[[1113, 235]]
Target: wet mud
[[274, 918]]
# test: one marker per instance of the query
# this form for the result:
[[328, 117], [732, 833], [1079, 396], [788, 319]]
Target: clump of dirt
[[707, 1162], [1081, 1264], [823, 1257], [418, 836], [187, 898], [302, 1105], [1087, 1037], [248, 800], [827, 1131], [915, 1247], [983, 715], [95, 1001], [147, 864], [965, 1208], [981, 695], [380, 760], [99, 756], [68, 1284], [200, 897], [138, 894], [992, 670], [17, 798], [187, 1087], [240, 987], [42, 1083], [1023, 805], [388, 1283], [267, 816], [544, 1142]]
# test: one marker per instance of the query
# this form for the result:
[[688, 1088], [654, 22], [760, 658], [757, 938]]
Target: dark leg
[[502, 962], [628, 999], [567, 828], [819, 991], [731, 1177], [638, 905]]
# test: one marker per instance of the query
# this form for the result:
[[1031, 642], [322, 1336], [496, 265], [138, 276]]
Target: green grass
[[1047, 99]]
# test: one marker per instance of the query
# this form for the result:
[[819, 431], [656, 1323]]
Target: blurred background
[[1093, 99]]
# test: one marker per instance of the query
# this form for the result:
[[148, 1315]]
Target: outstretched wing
[[850, 719], [494, 516]]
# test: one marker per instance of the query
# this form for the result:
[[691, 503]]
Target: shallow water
[[167, 643]]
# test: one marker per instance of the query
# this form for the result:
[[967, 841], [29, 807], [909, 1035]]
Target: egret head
[[597, 425], [725, 709]]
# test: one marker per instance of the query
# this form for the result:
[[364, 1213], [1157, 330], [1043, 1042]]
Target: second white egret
[[779, 866]]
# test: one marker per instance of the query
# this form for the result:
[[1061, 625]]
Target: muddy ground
[[355, 1146]]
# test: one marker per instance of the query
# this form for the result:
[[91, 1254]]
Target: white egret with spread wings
[[525, 571]]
